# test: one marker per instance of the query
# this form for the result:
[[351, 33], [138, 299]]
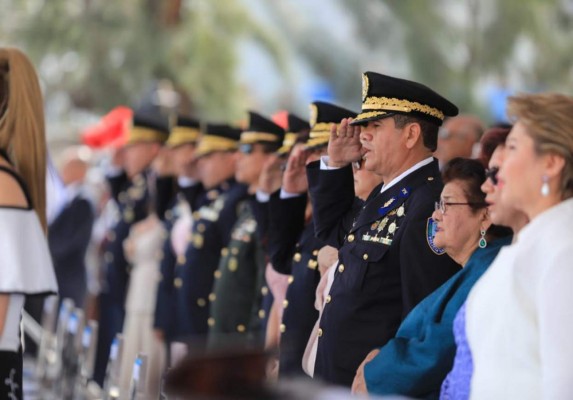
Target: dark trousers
[[111, 316]]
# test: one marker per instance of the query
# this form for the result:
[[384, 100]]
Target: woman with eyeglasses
[[519, 317], [415, 362], [457, 383]]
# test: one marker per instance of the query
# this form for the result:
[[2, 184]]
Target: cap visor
[[364, 118]]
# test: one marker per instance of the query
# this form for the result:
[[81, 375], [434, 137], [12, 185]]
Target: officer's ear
[[413, 134]]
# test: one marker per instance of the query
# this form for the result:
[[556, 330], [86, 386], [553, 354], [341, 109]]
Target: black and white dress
[[25, 270]]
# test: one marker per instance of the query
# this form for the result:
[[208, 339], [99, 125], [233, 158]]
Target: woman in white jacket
[[519, 317]]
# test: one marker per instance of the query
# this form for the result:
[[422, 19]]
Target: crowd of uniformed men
[[220, 237]]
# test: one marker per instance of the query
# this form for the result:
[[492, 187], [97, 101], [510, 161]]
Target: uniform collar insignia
[[389, 202]]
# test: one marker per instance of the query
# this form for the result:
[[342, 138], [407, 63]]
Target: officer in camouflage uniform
[[240, 277]]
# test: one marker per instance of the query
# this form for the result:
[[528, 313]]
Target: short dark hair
[[491, 139], [472, 175], [429, 129]]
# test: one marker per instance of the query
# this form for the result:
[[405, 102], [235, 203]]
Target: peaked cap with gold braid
[[296, 126], [218, 137], [147, 128], [262, 130], [186, 131], [384, 96], [322, 116]]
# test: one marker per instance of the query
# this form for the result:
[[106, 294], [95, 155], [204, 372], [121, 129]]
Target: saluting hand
[[294, 177], [344, 145], [272, 175], [191, 169], [162, 164], [117, 157], [359, 384]]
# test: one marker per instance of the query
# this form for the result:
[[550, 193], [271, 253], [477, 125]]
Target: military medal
[[400, 212], [392, 228], [382, 224]]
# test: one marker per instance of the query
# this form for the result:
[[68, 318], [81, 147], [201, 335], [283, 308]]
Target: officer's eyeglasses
[[491, 173], [443, 205]]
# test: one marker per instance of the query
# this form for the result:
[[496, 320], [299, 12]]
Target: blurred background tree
[[218, 58]]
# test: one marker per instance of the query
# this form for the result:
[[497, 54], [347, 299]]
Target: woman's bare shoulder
[[11, 193]]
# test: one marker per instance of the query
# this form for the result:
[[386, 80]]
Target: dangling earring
[[482, 242], [545, 186]]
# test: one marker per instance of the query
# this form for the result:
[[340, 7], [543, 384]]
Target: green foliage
[[121, 46]]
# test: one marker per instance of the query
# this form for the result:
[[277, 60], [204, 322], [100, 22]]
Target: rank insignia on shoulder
[[430, 233], [402, 195]]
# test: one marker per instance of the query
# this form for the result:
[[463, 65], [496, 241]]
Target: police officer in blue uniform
[[235, 320], [211, 231], [271, 179], [182, 144], [294, 248], [387, 262], [130, 192]]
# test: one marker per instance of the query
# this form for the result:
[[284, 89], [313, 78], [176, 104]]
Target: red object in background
[[111, 131], [281, 119]]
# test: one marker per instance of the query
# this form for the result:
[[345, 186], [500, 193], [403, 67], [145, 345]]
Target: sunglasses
[[246, 148], [491, 173]]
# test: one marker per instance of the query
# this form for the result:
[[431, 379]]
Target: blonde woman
[[25, 266], [519, 317]]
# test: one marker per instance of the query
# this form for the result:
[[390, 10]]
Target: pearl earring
[[545, 186]]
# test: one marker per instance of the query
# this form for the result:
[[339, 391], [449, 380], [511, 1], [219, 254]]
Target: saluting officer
[[129, 190], [387, 260], [293, 247], [189, 197], [274, 291], [216, 157], [235, 319]]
